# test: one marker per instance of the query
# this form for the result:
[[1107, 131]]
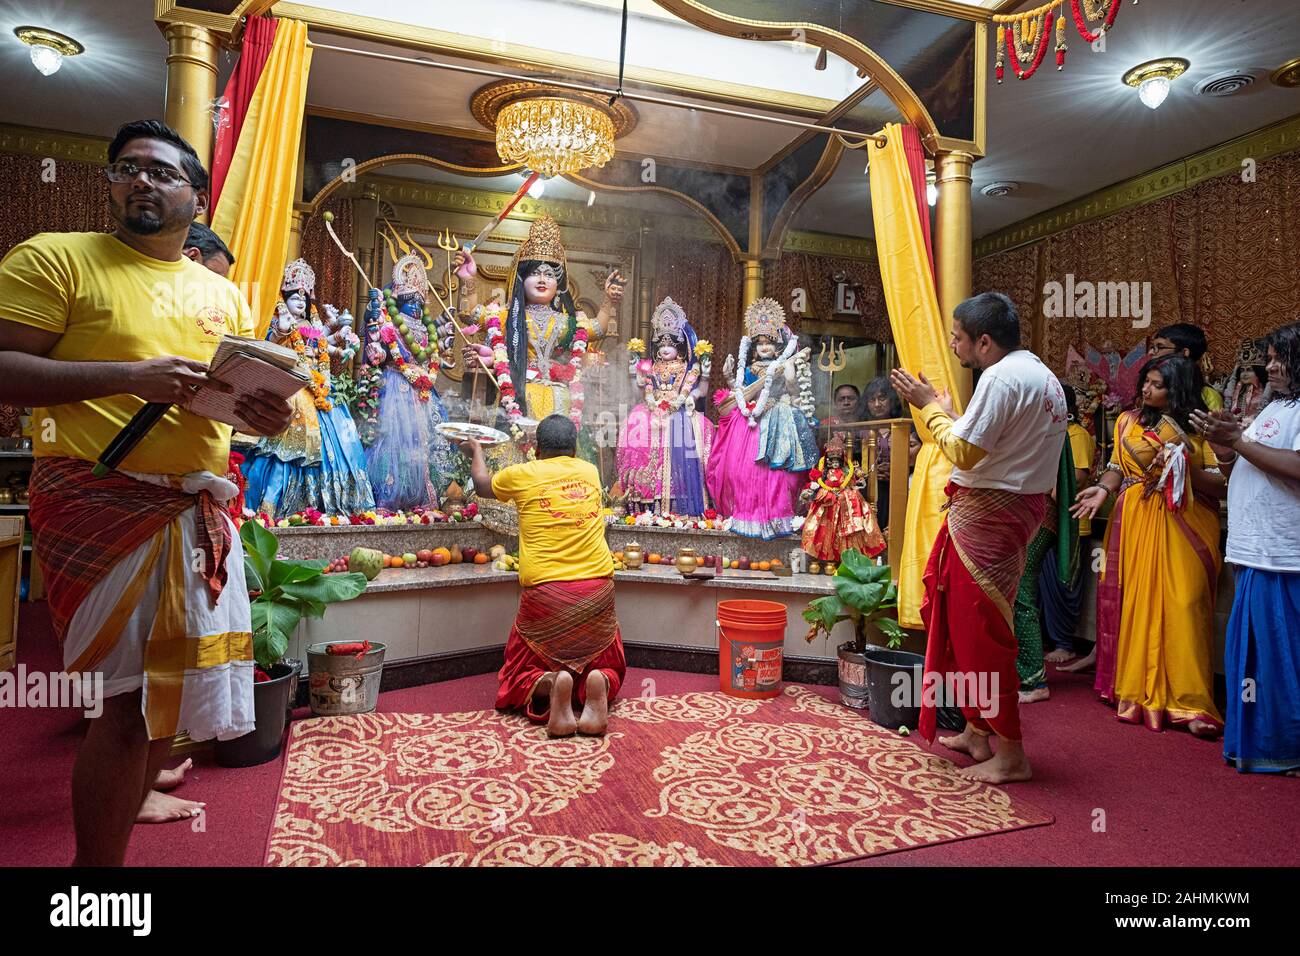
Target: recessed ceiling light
[[1003, 187], [1225, 83], [1153, 77], [48, 48]]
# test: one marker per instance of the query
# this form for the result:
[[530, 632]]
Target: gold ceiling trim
[[394, 159], [54, 144], [517, 56], [829, 244], [841, 109], [169, 11], [1221, 160], [1287, 75], [902, 95]]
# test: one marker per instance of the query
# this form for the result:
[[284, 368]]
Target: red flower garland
[[1081, 24], [1038, 57]]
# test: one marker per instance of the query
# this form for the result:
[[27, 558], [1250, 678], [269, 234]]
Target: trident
[[448, 243], [835, 362]]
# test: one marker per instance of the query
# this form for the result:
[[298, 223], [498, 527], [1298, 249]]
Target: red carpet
[[1167, 799], [698, 779]]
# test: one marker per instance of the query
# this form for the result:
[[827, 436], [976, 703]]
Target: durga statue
[[536, 340]]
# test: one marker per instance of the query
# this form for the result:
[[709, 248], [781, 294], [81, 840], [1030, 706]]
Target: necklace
[[544, 339]]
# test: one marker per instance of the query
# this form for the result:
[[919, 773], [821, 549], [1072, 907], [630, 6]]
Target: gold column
[[953, 229], [753, 282], [647, 265], [296, 223], [191, 86]]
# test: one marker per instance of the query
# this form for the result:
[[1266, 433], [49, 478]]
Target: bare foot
[[1204, 729], [1060, 656], [164, 808], [562, 722], [1033, 696], [1082, 664], [970, 743], [1292, 773], [595, 715], [1008, 765], [171, 779]]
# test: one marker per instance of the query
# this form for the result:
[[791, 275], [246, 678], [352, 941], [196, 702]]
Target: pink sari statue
[[665, 443]]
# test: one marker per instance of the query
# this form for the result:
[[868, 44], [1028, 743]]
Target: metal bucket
[[342, 684]]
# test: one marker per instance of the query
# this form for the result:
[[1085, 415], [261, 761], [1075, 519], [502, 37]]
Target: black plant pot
[[270, 706], [894, 702]]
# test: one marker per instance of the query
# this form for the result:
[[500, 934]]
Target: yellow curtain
[[922, 341], [256, 206]]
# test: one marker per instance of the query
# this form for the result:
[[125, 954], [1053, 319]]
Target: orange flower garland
[[320, 375]]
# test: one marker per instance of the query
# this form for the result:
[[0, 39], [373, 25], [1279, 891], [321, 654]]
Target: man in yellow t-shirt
[[566, 624], [144, 573]]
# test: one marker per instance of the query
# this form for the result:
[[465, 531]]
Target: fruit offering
[[366, 560]]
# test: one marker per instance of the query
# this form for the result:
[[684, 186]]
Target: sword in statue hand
[[467, 268]]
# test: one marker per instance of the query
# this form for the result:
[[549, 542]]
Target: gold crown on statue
[[669, 319], [765, 317], [543, 243], [299, 277], [1250, 353], [410, 269]]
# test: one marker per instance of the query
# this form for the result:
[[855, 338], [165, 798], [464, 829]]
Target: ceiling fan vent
[[999, 189], [1225, 83]]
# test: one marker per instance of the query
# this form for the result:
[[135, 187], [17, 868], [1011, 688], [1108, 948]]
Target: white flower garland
[[739, 390]]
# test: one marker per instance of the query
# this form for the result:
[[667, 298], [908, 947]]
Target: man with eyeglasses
[[144, 571]]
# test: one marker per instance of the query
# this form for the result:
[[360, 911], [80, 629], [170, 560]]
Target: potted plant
[[282, 593], [864, 595]]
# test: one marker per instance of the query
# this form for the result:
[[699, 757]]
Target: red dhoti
[[970, 592], [561, 625]]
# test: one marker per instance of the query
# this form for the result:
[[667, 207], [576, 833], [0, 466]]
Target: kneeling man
[[566, 624]]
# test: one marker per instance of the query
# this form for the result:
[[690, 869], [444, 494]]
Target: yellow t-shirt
[[1084, 448], [561, 528], [109, 303]]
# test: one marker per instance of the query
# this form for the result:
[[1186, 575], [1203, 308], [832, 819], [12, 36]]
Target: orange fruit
[[653, 558], [765, 565], [480, 558], [445, 552], [735, 564], [776, 562], [388, 560]]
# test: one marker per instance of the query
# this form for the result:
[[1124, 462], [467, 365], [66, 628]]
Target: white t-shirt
[[1018, 416], [1263, 509]]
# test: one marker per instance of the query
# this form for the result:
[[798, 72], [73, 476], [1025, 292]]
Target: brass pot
[[687, 561], [6, 496], [633, 556]]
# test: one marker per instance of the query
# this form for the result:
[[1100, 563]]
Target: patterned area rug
[[699, 779]]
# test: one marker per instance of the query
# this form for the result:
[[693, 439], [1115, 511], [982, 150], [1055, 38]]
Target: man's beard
[[150, 222]]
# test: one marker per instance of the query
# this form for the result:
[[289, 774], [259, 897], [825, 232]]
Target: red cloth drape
[[259, 36], [915, 153]]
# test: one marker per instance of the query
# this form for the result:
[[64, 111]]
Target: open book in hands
[[247, 366]]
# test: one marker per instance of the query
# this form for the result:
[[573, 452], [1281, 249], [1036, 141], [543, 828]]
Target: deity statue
[[839, 518], [408, 460], [1246, 390], [765, 441], [537, 337], [665, 442], [317, 461]]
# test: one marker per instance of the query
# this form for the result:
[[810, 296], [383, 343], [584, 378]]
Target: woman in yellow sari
[[1155, 601]]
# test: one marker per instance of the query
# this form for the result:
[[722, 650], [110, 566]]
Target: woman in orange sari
[[1155, 601]]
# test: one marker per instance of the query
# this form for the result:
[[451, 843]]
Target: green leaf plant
[[284, 592], [865, 595]]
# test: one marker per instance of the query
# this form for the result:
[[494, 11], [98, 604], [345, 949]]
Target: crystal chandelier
[[554, 135]]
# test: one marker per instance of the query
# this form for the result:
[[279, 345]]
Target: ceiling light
[[537, 188], [1287, 75], [48, 48], [1153, 78], [931, 193], [591, 197]]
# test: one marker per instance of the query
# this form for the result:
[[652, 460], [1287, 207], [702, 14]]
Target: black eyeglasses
[[159, 175]]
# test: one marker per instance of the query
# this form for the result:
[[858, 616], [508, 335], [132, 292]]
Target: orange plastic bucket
[[751, 637]]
